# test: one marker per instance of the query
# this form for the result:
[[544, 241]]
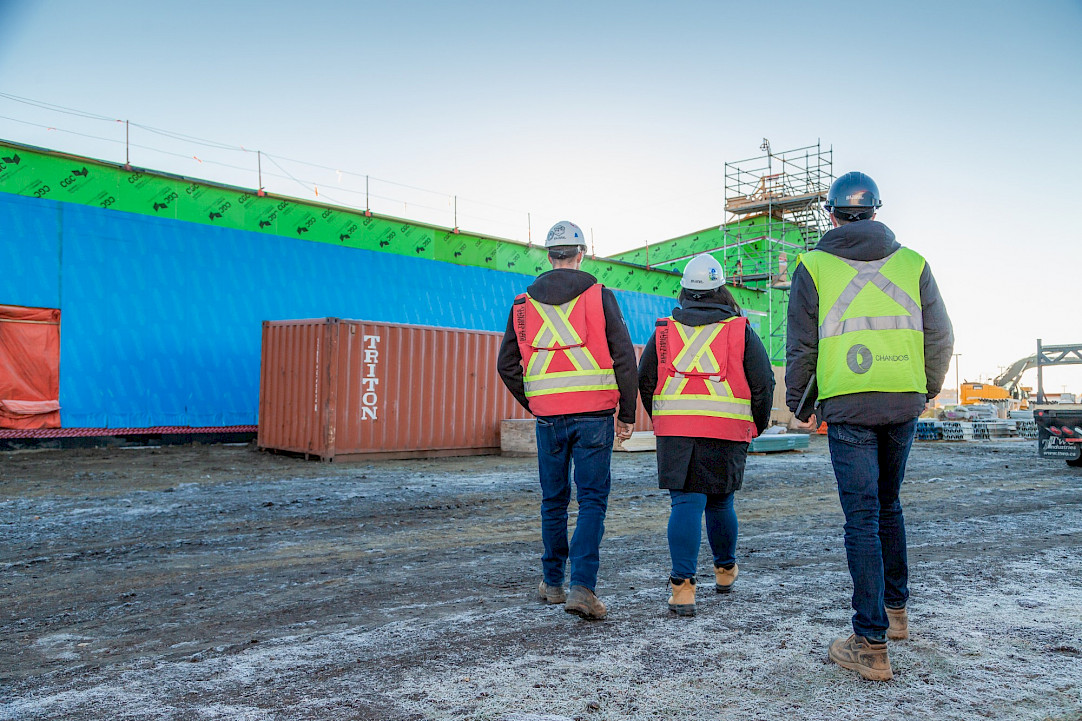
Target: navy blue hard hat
[[853, 194]]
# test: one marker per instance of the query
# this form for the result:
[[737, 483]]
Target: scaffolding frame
[[786, 190]]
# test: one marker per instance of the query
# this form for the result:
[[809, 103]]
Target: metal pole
[[1040, 374], [127, 145], [529, 231], [456, 212], [367, 207], [259, 170], [957, 383]]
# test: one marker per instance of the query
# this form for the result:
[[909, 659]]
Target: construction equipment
[[973, 393], [1059, 425], [1005, 391]]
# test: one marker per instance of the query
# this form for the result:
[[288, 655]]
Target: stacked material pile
[[986, 429], [952, 431], [929, 430]]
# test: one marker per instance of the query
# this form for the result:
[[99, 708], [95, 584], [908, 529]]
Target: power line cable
[[58, 108], [307, 185], [192, 139], [61, 130]]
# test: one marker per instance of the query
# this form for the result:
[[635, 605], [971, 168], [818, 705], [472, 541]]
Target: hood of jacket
[[696, 313], [560, 285], [860, 240]]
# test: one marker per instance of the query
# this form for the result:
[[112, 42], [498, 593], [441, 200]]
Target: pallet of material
[[778, 442], [989, 429], [928, 430]]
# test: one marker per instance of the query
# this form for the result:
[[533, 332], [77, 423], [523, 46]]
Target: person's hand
[[808, 424], [623, 430]]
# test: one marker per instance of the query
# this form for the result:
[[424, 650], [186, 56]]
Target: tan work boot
[[582, 602], [724, 578], [551, 594], [682, 600], [857, 653], [899, 624]]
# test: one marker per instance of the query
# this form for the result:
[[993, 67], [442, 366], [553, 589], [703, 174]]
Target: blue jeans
[[685, 530], [586, 440], [869, 462]]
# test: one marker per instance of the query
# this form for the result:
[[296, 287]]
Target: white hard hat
[[702, 272], [565, 233]]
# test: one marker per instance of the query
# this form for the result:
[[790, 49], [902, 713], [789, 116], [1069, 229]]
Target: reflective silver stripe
[[701, 336], [869, 272], [562, 332], [729, 406], [884, 322], [547, 382], [578, 355]]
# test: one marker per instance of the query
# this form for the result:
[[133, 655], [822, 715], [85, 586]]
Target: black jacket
[[558, 286], [861, 240], [708, 465]]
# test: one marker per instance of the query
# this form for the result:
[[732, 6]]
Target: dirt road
[[216, 582]]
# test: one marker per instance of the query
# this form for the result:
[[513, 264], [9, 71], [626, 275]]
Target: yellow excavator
[[1005, 390]]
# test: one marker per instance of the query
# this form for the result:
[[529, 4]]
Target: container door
[[29, 367]]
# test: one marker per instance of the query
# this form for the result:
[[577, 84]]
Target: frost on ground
[[218, 583]]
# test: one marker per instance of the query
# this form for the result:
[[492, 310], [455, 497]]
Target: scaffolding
[[774, 211]]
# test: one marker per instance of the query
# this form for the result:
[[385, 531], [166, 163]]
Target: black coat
[[862, 240], [708, 465], [558, 286]]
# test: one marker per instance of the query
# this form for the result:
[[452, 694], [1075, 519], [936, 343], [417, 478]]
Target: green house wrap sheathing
[[41, 173], [755, 233], [44, 174]]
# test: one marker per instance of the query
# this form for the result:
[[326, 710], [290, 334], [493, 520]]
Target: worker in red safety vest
[[706, 381], [567, 357]]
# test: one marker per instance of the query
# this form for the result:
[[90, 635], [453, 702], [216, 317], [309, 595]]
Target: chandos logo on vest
[[859, 358]]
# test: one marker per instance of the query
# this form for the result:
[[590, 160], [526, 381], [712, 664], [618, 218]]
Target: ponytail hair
[[715, 296]]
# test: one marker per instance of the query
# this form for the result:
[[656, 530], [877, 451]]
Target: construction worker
[[567, 357], [868, 344], [705, 379]]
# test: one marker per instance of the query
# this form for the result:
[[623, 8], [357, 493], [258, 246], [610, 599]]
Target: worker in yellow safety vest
[[567, 357], [868, 344]]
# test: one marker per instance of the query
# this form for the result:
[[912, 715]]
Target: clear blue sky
[[617, 115]]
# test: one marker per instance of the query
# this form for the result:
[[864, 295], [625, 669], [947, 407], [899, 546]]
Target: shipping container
[[341, 389]]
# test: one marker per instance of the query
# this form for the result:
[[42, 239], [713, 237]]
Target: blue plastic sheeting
[[161, 319]]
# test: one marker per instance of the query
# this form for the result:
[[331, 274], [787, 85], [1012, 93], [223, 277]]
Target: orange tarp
[[29, 367]]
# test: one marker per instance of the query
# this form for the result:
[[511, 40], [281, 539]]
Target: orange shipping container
[[340, 389]]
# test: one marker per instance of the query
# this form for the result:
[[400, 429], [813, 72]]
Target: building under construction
[[150, 288], [773, 212]]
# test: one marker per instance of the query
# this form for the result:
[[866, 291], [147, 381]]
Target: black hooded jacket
[[708, 465], [861, 240], [558, 286]]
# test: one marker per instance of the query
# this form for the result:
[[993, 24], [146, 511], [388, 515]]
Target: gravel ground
[[217, 582]]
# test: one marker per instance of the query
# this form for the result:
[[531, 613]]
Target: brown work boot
[[682, 600], [724, 578], [899, 624], [582, 602], [857, 653], [551, 594]]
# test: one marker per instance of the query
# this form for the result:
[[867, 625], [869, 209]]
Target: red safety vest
[[565, 355], [701, 388]]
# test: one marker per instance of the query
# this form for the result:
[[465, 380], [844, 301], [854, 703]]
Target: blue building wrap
[[161, 319]]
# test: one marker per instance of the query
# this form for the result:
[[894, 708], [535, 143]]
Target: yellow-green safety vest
[[871, 326]]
